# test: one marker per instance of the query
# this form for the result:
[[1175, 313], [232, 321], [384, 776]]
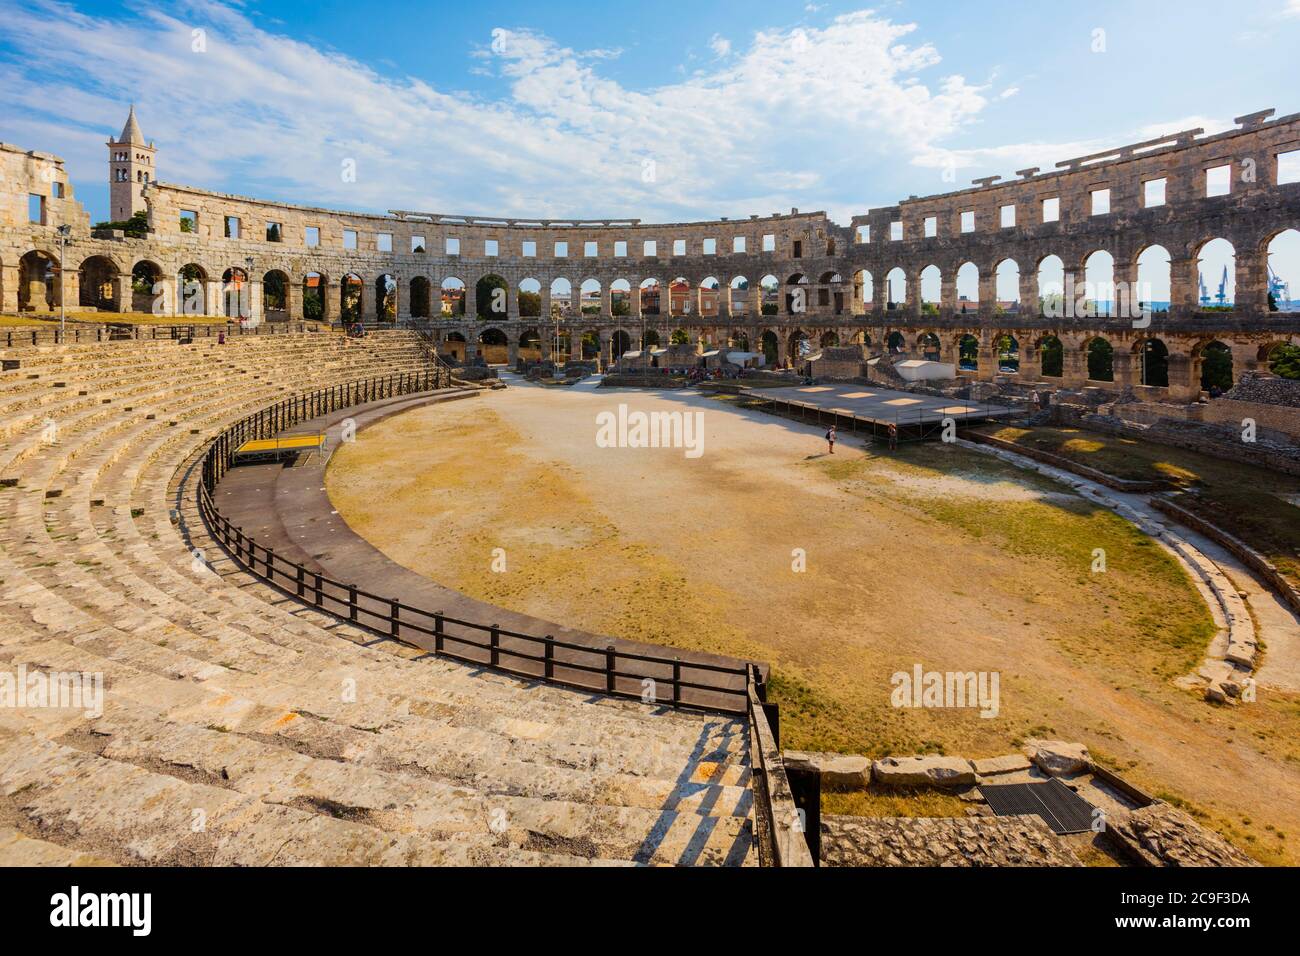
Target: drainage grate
[[1060, 807]]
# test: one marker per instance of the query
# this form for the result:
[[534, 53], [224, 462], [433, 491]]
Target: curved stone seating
[[241, 727]]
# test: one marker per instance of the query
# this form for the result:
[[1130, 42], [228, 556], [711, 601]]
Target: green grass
[[1243, 500]]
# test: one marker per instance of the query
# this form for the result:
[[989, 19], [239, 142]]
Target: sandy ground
[[934, 557]]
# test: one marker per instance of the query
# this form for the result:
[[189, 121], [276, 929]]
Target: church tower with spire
[[130, 168]]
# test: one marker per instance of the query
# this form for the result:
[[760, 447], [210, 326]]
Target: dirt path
[[934, 557]]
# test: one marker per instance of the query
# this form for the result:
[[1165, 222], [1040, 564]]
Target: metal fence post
[[609, 668]]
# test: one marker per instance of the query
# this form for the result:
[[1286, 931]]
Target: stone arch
[[314, 306], [929, 346], [1051, 352], [830, 339], [1006, 286], [493, 346], [453, 296], [235, 294], [620, 343], [453, 345], [864, 290], [1216, 271], [895, 288], [529, 297], [96, 278], [530, 345], [968, 352], [1100, 356], [1153, 274], [651, 303], [895, 342], [620, 298], [275, 295], [350, 294], [38, 285], [491, 298], [561, 297], [798, 345], [191, 290], [769, 345], [1006, 350], [738, 296], [149, 289], [589, 293], [679, 296], [421, 297], [931, 286], [386, 297], [709, 293], [1282, 358], [968, 288], [1099, 284], [1152, 359], [1282, 271], [1050, 276], [770, 288], [1213, 361], [797, 299]]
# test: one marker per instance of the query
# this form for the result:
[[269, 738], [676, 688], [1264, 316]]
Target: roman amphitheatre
[[320, 502]]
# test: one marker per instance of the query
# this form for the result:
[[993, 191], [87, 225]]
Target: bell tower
[[130, 168]]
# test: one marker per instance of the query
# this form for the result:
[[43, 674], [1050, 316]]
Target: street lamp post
[[64, 232], [248, 286]]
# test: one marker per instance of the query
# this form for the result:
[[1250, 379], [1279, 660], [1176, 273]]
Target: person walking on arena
[[830, 439], [893, 436]]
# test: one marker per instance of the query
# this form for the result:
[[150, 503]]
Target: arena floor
[[933, 556]]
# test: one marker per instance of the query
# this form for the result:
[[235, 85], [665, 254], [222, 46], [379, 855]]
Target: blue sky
[[661, 111]]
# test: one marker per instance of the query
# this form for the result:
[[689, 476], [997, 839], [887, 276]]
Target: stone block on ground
[[1058, 758], [945, 772], [838, 771]]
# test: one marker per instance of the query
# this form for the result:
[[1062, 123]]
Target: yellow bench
[[276, 447]]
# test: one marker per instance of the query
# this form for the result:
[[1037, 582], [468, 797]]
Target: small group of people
[[891, 430]]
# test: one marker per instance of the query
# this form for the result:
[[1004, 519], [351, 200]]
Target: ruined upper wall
[[814, 232], [1181, 159], [27, 173]]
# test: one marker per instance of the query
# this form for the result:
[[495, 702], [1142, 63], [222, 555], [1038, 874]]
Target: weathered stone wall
[[942, 841], [820, 268]]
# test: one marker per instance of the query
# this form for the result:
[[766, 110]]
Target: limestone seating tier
[[223, 695]]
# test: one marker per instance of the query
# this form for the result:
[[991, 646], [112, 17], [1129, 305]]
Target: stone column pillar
[[121, 292], [213, 300], [1029, 295], [1183, 287], [575, 344], [332, 296], [1251, 295], [367, 301], [1074, 365], [1121, 363], [1183, 385], [294, 301], [986, 358], [253, 307], [9, 287], [1031, 361], [512, 350], [948, 292], [402, 298]]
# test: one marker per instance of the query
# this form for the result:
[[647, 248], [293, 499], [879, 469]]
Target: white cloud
[[1292, 9], [266, 114], [720, 46]]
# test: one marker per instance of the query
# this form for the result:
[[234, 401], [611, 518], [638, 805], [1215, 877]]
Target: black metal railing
[[610, 670]]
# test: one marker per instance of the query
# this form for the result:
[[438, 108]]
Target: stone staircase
[[239, 727]]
